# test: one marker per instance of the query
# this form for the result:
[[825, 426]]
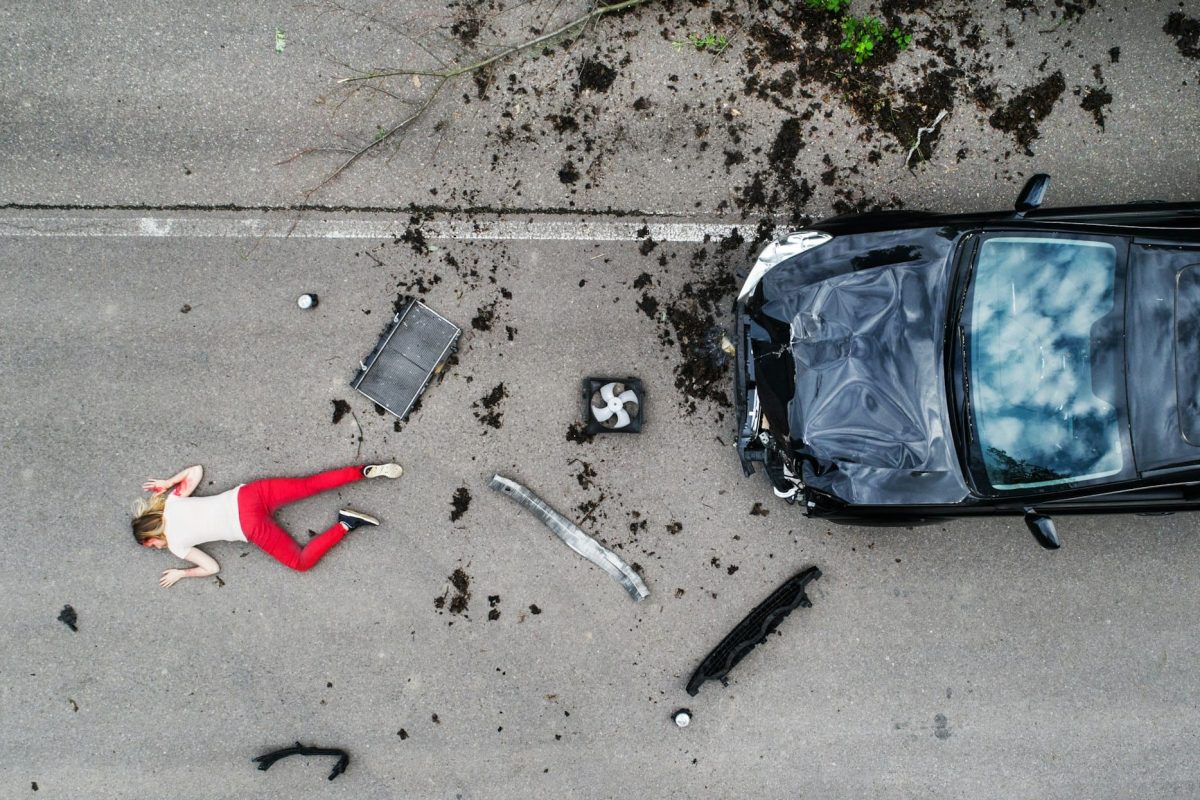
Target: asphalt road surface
[[150, 260]]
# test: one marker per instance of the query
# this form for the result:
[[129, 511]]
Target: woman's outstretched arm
[[187, 481], [205, 565]]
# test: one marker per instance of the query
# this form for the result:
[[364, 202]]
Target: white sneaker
[[383, 471]]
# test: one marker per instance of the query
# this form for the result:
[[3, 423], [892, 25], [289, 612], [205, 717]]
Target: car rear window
[[1187, 352], [1033, 305]]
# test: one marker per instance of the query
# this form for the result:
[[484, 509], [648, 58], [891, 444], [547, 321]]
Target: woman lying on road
[[177, 521]]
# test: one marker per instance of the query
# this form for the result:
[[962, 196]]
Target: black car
[[904, 365]]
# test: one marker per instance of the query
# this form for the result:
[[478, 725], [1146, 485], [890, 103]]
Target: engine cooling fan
[[613, 405]]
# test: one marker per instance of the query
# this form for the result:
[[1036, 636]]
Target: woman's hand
[[156, 486], [170, 577]]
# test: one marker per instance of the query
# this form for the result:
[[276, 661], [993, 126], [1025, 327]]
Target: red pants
[[258, 501]]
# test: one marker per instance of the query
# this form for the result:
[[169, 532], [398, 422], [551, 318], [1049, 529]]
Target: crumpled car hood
[[870, 395]]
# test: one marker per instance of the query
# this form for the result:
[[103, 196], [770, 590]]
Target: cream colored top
[[195, 520]]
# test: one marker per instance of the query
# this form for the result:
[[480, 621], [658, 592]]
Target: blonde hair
[[148, 522]]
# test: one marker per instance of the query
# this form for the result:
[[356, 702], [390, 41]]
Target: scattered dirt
[[1022, 114], [586, 476], [485, 318], [674, 527], [340, 409], [577, 433], [595, 75], [415, 237], [567, 173], [68, 617], [690, 322], [403, 734], [461, 583], [588, 508], [1094, 101], [759, 511], [563, 123], [186, 308], [460, 503], [1186, 31], [649, 305], [533, 609], [493, 602], [468, 22], [488, 409], [732, 568]]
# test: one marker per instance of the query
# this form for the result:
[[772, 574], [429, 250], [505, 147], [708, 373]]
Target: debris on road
[[490, 412], [578, 434], [573, 537], [613, 405], [411, 351], [461, 582], [267, 759], [682, 717], [459, 503], [921, 131], [754, 629], [67, 617], [307, 301]]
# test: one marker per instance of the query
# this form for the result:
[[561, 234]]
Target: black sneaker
[[783, 480], [352, 519]]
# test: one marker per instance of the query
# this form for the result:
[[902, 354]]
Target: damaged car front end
[[840, 393], [900, 366]]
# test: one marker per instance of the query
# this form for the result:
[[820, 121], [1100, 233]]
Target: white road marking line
[[235, 228]]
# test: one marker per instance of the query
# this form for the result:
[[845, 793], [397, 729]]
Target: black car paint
[[1157, 233]]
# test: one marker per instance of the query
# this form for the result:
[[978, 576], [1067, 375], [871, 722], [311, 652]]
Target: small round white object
[[307, 300], [683, 718]]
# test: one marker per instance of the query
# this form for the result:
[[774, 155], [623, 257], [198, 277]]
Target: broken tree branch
[[444, 76], [594, 14]]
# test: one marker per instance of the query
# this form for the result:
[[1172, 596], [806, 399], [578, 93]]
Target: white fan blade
[[627, 396], [602, 413], [606, 392], [622, 418]]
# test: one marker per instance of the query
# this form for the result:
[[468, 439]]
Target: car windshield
[[1034, 303]]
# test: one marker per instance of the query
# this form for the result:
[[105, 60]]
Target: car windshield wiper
[[965, 407]]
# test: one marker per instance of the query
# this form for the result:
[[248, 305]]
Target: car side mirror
[[1042, 528], [1032, 194]]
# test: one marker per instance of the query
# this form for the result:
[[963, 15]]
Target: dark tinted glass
[[1187, 351]]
